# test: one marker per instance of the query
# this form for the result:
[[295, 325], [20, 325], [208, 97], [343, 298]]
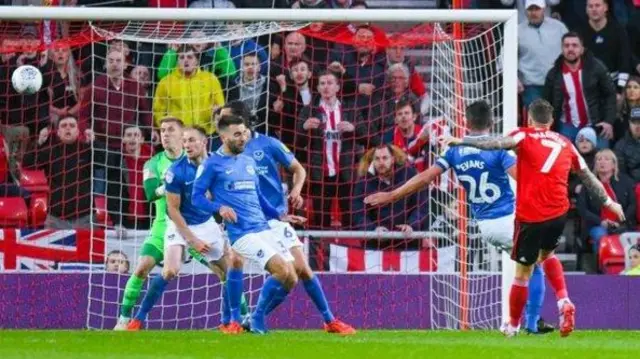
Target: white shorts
[[208, 232], [260, 247], [284, 232], [498, 231]]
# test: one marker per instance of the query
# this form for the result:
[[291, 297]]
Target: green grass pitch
[[368, 344]]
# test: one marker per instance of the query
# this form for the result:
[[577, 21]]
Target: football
[[26, 79]]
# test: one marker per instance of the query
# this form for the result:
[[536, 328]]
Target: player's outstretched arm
[[489, 143], [299, 177], [416, 183], [204, 178], [592, 184]]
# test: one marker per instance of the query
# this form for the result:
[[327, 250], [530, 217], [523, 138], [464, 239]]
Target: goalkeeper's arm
[[153, 189]]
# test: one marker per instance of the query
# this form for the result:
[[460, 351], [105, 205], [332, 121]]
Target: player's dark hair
[[228, 120], [572, 34], [171, 119], [404, 103], [239, 108], [479, 116], [541, 111], [198, 129]]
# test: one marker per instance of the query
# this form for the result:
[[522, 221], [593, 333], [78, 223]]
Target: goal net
[[360, 104]]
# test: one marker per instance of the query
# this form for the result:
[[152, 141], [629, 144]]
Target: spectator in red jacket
[[136, 152], [116, 101], [410, 136], [67, 163]]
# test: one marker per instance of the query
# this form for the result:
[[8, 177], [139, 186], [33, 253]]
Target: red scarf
[[575, 106], [606, 213], [412, 146], [135, 165]]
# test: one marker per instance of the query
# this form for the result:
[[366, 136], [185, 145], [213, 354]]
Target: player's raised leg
[[276, 288], [172, 264], [314, 289], [284, 233], [555, 273], [150, 256], [499, 233]]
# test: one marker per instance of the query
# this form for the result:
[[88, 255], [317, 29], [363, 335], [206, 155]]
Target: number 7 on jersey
[[556, 148]]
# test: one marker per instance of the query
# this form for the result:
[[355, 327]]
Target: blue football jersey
[[483, 174], [269, 154], [234, 182], [179, 179]]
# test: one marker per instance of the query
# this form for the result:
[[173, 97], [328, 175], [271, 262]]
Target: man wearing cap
[[628, 148], [539, 45], [628, 152]]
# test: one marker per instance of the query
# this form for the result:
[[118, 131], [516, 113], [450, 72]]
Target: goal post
[[470, 293]]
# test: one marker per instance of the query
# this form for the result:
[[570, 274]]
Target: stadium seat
[[611, 255], [102, 216], [13, 212], [38, 209], [36, 183]]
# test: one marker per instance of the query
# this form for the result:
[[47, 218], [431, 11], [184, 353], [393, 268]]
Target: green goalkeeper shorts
[[152, 247]]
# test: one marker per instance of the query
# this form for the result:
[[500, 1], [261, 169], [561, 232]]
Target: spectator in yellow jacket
[[188, 93]]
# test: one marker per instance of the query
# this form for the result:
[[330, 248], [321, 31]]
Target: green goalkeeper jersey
[[154, 171]]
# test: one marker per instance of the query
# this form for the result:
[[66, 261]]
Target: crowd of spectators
[[354, 112]]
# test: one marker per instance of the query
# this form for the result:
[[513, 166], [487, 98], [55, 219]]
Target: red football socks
[[554, 272], [517, 300]]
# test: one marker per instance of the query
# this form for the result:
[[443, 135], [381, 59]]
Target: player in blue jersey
[[231, 178], [187, 225], [270, 154], [485, 178]]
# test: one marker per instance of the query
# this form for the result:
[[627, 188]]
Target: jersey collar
[[173, 159], [206, 155]]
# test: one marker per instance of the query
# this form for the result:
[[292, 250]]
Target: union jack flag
[[44, 250]]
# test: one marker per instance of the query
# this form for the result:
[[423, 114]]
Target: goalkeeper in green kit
[[152, 252]]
